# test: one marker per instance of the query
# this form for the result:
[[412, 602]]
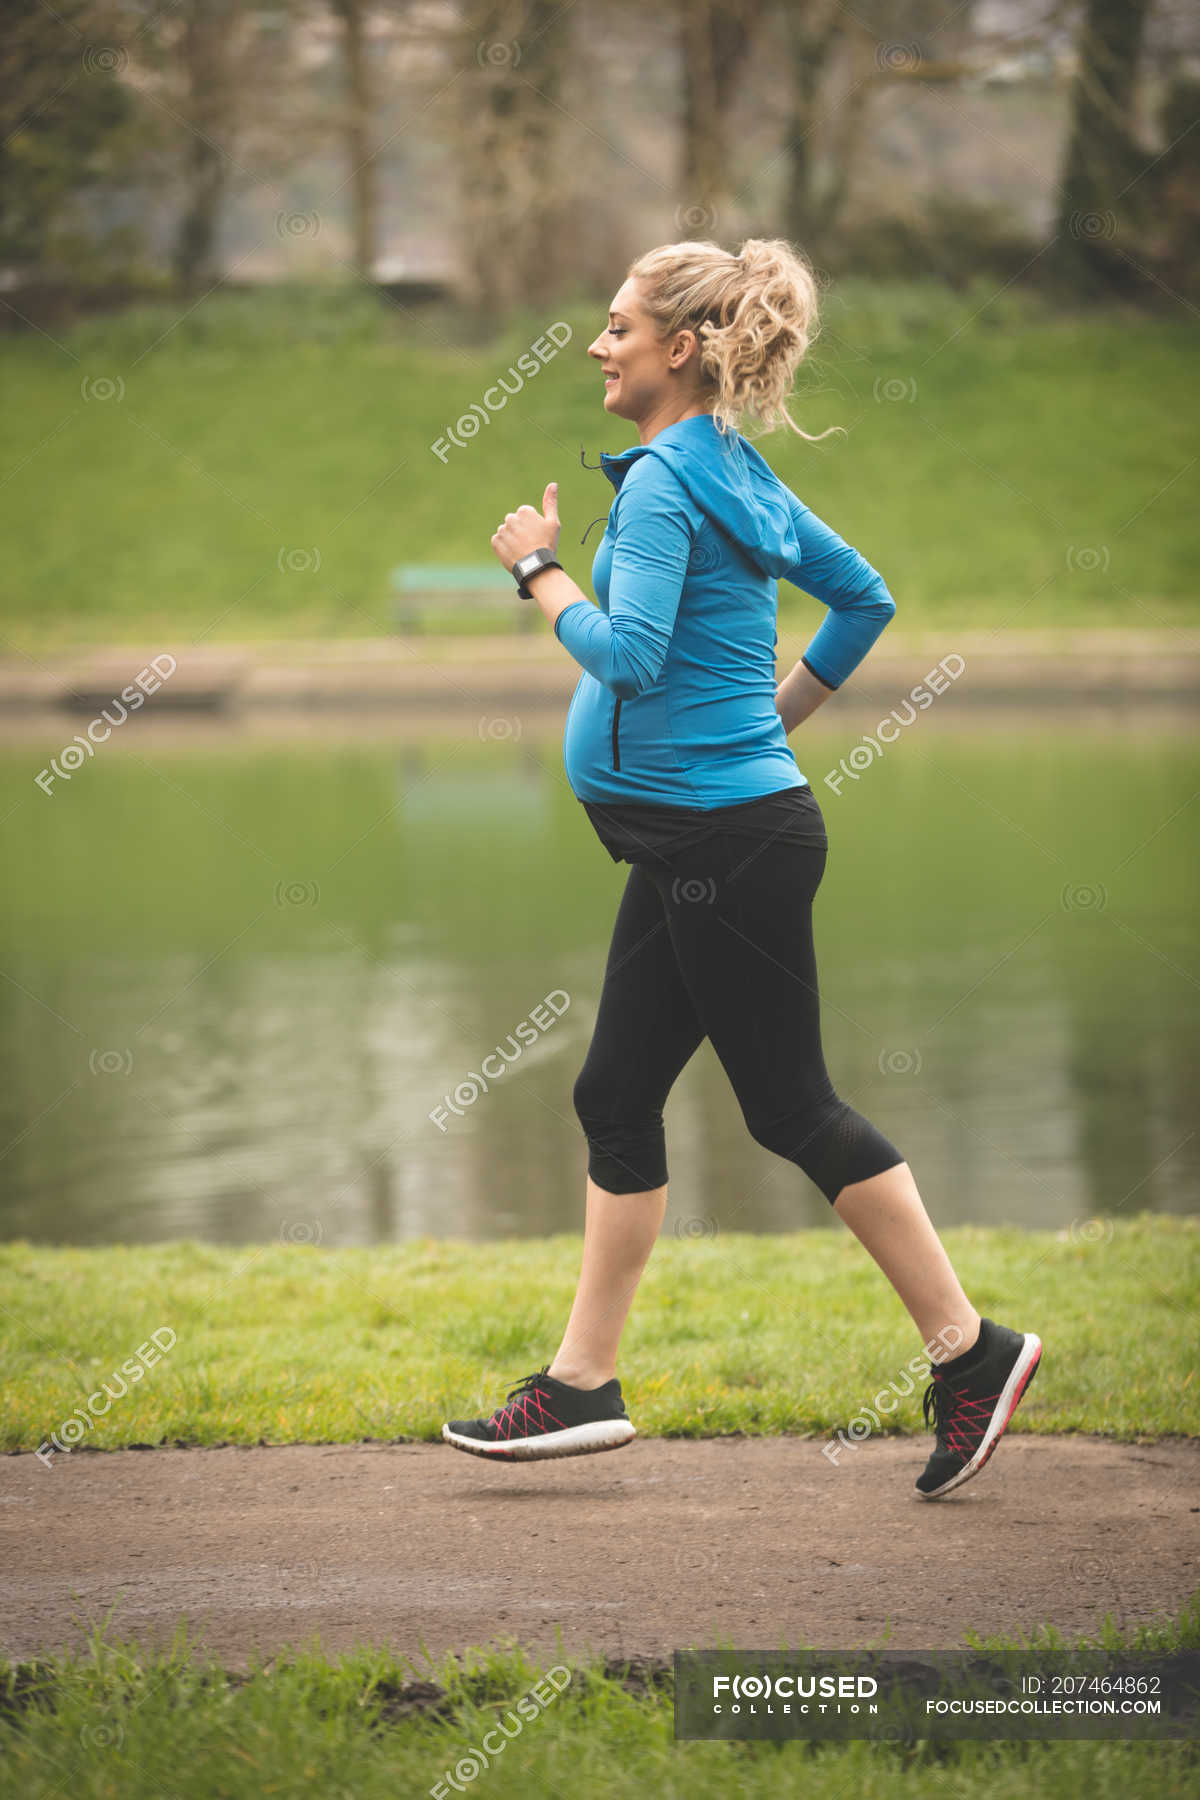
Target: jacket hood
[[731, 484]]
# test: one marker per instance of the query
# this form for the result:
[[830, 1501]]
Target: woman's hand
[[528, 529]]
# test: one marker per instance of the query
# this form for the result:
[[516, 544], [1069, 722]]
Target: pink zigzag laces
[[518, 1411], [969, 1417]]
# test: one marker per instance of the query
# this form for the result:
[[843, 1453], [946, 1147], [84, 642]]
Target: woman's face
[[641, 371]]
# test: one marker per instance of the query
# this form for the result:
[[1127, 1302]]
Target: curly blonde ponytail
[[755, 315]]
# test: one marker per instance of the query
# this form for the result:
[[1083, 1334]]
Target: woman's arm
[[554, 591], [797, 696], [857, 597], [625, 647]]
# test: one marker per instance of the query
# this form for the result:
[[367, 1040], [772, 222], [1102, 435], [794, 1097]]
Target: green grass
[[730, 1333], [1011, 439], [290, 1342], [114, 1722]]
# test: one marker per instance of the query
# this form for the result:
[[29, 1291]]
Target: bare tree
[[357, 127], [716, 37], [511, 187], [223, 83], [1097, 192], [1175, 189], [838, 62], [205, 51], [812, 32]]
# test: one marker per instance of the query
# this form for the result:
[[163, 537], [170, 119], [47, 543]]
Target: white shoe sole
[[1006, 1406], [575, 1440]]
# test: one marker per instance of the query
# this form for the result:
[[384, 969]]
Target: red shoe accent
[[1028, 1377]]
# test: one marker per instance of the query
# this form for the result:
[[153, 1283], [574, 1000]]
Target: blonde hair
[[754, 313]]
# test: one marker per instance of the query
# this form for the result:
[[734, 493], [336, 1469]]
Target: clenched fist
[[528, 529]]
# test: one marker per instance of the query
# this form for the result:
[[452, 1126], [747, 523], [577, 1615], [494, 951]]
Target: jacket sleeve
[[626, 650], [859, 603]]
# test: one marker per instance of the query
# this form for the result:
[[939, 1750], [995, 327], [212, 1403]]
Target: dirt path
[[661, 1545]]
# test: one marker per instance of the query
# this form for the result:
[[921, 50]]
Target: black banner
[[903, 1696]]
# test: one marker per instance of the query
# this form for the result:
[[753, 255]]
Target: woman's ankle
[[579, 1376]]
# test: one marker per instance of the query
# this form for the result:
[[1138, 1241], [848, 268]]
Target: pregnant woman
[[676, 744]]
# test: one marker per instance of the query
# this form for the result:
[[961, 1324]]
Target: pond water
[[243, 970]]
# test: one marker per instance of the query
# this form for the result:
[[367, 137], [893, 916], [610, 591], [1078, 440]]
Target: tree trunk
[[813, 28], [1173, 195], [848, 129], [1098, 195], [716, 37], [205, 51], [358, 137], [511, 209]]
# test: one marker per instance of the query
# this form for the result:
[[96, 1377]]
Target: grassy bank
[[114, 1722], [731, 1333], [256, 466]]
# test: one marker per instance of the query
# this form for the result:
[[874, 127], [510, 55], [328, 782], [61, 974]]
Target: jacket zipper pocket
[[616, 741]]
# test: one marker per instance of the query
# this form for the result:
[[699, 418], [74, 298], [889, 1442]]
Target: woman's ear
[[685, 343]]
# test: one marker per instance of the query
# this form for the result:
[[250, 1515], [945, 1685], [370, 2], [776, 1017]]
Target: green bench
[[439, 585]]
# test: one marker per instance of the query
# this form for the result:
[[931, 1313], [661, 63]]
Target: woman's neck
[[666, 416]]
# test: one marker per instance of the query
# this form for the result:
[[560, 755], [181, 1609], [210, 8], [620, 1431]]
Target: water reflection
[[241, 976]]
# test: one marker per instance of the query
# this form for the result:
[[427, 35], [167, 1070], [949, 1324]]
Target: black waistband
[[633, 831]]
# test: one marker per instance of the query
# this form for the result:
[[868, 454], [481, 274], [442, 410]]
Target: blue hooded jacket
[[676, 705]]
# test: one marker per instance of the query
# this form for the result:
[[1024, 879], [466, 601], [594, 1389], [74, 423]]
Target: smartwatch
[[525, 566]]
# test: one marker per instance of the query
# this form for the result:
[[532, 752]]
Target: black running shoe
[[970, 1411], [547, 1418]]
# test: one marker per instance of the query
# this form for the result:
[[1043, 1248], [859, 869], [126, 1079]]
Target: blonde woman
[[676, 744]]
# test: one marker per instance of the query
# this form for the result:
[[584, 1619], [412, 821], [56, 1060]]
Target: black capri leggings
[[715, 940]]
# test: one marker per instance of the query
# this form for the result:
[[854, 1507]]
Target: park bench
[[441, 585]]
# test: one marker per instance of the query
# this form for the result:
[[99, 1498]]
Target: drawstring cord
[[603, 518]]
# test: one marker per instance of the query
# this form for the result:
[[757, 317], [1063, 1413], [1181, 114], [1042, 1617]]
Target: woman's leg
[[745, 949], [646, 1030], [739, 911], [746, 954], [619, 1234], [887, 1216]]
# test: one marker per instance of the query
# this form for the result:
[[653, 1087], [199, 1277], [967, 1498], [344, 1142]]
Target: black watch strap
[[525, 566]]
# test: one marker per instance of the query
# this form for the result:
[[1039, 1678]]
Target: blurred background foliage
[[505, 152]]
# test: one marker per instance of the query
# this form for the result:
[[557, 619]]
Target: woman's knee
[[604, 1102], [790, 1132], [593, 1095], [626, 1141], [832, 1143]]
